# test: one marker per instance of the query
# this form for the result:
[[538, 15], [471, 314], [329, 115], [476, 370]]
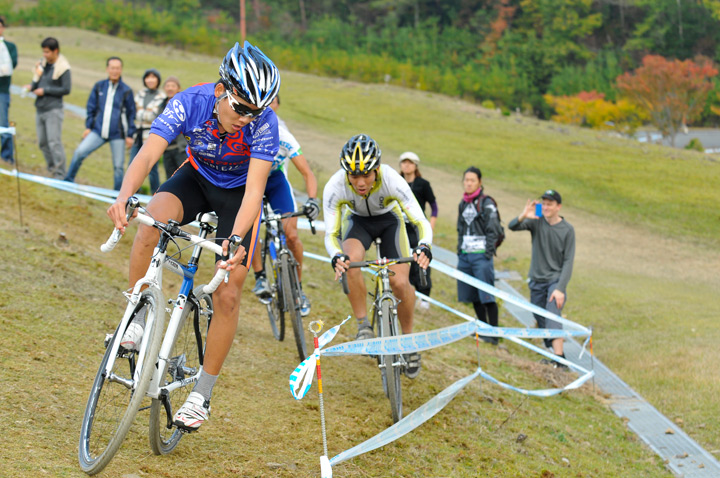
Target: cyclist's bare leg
[[355, 250], [257, 261], [226, 304], [293, 242], [404, 291], [163, 206]]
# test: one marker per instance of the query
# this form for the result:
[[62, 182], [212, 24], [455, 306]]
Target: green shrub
[[695, 145]]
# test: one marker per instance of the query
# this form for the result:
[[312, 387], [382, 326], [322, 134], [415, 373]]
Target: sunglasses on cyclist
[[241, 109]]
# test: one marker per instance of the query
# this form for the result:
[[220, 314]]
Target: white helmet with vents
[[249, 74]]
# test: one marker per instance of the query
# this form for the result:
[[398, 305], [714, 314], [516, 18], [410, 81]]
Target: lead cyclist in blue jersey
[[232, 139]]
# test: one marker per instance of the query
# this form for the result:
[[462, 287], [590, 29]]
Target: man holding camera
[[553, 252]]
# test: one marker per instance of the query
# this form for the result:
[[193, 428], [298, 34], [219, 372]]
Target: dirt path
[[603, 245]]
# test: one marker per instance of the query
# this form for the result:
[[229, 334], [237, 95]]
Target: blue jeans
[[92, 142], [5, 139], [154, 176]]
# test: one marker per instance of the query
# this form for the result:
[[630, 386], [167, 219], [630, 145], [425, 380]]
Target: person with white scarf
[[51, 81]]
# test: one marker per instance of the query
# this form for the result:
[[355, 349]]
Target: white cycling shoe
[[194, 412], [132, 338]]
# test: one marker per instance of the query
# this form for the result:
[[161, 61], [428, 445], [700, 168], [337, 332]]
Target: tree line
[[511, 54]]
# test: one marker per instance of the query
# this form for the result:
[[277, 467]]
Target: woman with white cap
[[424, 194]]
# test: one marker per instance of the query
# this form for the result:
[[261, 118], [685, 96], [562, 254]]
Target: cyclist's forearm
[[304, 167], [252, 200], [141, 165]]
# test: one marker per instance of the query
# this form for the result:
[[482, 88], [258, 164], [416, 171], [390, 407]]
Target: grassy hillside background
[[645, 277]]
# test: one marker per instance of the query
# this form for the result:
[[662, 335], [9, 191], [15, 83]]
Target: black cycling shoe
[[412, 369]]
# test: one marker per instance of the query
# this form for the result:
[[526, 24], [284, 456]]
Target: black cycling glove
[[425, 249], [312, 208], [339, 257]]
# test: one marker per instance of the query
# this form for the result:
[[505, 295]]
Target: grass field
[[645, 277]]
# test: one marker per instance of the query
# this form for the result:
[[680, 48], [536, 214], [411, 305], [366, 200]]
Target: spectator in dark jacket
[[8, 62], [110, 118], [409, 169], [51, 81], [478, 227]]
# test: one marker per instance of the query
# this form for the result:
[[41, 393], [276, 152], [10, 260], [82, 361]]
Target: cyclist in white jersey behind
[[232, 139], [361, 202], [279, 193]]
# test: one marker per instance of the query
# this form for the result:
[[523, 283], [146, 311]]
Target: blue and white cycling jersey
[[222, 161], [289, 147]]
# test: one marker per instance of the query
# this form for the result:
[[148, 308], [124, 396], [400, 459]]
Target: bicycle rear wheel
[[390, 364], [275, 305], [185, 361], [115, 398], [291, 293]]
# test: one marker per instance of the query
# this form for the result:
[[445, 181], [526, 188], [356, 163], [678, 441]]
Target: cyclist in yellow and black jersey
[[361, 202]]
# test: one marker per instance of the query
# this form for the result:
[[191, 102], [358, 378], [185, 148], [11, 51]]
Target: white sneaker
[[132, 338], [424, 304], [194, 412]]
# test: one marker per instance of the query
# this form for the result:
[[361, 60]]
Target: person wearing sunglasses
[[232, 138], [365, 200]]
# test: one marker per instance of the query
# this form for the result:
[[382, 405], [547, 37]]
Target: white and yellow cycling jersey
[[389, 194]]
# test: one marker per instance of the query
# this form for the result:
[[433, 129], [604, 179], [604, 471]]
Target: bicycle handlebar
[[382, 262], [210, 245], [288, 215]]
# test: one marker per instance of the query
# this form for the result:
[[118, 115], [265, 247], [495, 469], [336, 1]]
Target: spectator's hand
[[529, 211], [558, 297], [312, 208], [128, 142], [340, 263], [85, 133], [422, 255], [39, 92]]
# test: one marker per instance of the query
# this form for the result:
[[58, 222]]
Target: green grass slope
[[644, 277]]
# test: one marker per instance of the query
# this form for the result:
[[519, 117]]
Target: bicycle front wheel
[[275, 305], [390, 364], [115, 398], [184, 362], [291, 292]]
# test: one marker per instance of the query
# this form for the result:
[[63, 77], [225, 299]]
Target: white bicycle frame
[[153, 277]]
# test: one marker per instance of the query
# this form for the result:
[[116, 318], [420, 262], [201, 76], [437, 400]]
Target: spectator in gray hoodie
[[51, 81]]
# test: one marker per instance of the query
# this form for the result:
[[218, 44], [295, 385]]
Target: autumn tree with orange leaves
[[672, 92]]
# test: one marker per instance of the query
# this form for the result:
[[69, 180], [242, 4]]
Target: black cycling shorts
[[199, 195], [389, 227]]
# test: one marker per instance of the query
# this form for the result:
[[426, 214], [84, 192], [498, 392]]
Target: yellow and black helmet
[[360, 155]]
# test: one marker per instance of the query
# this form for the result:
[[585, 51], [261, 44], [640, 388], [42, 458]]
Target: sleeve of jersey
[[171, 121], [410, 205], [265, 137], [332, 212], [288, 141]]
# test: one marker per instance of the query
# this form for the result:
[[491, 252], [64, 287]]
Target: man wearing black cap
[[553, 251]]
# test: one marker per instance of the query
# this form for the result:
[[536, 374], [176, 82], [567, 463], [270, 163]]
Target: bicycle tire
[[389, 328], [275, 308], [291, 285], [185, 361], [95, 450]]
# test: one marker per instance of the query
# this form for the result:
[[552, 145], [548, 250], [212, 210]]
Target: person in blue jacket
[[110, 119]]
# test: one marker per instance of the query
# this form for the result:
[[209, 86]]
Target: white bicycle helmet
[[249, 74], [360, 155]]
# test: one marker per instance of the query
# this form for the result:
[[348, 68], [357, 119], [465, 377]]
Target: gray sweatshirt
[[553, 250]]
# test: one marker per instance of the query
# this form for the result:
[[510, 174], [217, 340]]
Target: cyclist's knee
[[227, 298], [146, 236]]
